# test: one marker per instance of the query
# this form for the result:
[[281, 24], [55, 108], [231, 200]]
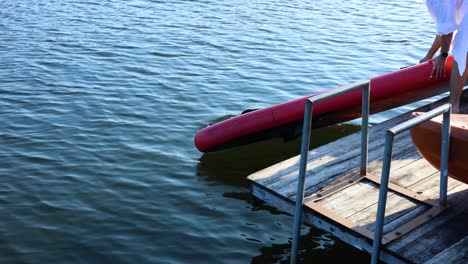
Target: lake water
[[100, 100]]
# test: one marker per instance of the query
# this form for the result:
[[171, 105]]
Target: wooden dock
[[339, 201]]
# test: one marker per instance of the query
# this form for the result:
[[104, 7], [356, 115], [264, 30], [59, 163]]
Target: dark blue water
[[100, 100]]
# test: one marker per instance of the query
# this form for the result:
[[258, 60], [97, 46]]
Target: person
[[452, 24]]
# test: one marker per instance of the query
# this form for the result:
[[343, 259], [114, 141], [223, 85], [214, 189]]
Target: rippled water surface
[[100, 100]]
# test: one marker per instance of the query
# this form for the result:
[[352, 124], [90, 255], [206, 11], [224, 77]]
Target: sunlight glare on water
[[100, 101]]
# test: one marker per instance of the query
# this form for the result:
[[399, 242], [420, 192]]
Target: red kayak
[[427, 139], [387, 91]]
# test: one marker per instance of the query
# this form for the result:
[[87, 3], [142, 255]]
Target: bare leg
[[456, 86]]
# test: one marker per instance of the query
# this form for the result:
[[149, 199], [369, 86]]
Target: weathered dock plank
[[434, 242], [458, 253], [349, 212]]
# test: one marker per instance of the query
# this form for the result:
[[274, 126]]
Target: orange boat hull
[[427, 139]]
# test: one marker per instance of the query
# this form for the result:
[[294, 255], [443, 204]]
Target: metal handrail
[[389, 137], [305, 144]]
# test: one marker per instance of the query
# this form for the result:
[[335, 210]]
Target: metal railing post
[[382, 196], [383, 190], [300, 183], [445, 148], [307, 125], [365, 127]]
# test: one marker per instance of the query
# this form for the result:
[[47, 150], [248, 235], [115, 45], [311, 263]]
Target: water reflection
[[231, 166], [314, 247]]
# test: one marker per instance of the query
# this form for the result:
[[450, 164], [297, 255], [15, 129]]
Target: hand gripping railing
[[365, 86], [391, 133]]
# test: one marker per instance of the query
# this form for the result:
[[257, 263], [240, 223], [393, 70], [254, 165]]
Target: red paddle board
[[387, 91]]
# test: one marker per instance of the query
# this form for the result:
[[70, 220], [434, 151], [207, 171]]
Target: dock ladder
[[384, 180]]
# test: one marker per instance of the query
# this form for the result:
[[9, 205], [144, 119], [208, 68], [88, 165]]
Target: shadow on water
[[315, 247], [231, 167]]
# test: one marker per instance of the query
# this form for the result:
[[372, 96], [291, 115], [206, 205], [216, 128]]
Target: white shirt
[[449, 16]]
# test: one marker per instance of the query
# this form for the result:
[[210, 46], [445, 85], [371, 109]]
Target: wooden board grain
[[335, 163]]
